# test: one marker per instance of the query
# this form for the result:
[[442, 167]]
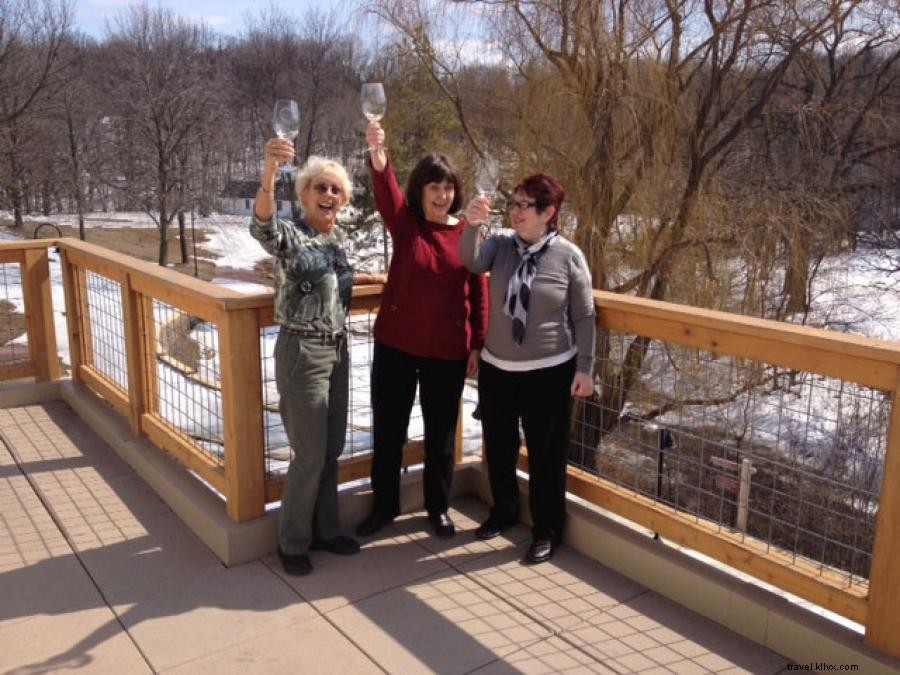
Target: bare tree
[[640, 106], [162, 82], [31, 64]]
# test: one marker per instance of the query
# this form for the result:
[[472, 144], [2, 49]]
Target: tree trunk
[[796, 277], [182, 238]]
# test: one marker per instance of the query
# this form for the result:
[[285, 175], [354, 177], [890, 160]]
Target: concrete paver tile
[[162, 549], [383, 563], [87, 640], [205, 613], [311, 646], [650, 627], [545, 657], [48, 587], [413, 628], [564, 592]]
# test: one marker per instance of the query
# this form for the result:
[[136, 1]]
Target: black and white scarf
[[518, 292]]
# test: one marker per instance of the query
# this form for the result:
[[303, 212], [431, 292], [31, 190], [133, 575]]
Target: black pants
[[395, 375], [541, 399]]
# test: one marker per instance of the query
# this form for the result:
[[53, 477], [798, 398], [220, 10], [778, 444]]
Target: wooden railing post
[[239, 355], [73, 313], [37, 293], [883, 621], [134, 343]]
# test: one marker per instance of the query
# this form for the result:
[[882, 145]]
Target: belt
[[327, 337]]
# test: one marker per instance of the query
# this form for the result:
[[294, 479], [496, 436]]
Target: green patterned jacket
[[313, 280]]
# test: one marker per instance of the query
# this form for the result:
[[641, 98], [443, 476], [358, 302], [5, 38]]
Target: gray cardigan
[[561, 308]]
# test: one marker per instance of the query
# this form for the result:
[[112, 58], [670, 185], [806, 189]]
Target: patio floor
[[98, 574]]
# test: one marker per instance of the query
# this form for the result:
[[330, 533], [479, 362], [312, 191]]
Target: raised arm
[[477, 253], [264, 226], [389, 198], [278, 151]]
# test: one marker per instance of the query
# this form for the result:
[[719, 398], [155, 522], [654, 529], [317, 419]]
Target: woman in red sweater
[[429, 331]]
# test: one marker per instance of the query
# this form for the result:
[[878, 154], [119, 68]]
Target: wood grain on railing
[[883, 625], [239, 358], [37, 293], [848, 357]]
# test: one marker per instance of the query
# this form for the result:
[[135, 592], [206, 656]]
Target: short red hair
[[546, 191]]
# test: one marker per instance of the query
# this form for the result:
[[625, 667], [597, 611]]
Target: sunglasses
[[324, 188], [521, 206]]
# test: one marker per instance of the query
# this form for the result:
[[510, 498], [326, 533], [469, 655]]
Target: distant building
[[238, 196]]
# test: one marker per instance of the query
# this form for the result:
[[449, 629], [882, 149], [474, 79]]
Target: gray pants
[[313, 382]]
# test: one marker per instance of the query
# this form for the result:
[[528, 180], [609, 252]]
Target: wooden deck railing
[[241, 477]]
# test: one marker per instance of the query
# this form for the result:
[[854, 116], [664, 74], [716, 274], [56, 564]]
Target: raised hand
[[279, 151], [375, 140], [478, 211]]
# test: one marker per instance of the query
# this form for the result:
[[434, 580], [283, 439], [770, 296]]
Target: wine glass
[[374, 102], [487, 177], [287, 118]]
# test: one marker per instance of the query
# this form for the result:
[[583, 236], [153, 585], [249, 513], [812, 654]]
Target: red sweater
[[432, 305]]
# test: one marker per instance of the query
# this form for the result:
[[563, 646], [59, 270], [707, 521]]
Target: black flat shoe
[[443, 526], [541, 550], [373, 523], [295, 564], [339, 545], [490, 528]]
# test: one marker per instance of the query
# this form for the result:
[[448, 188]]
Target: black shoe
[[541, 550], [443, 526], [295, 564], [373, 522], [490, 528], [340, 545]]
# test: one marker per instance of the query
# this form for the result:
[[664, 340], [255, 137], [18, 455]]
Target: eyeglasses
[[323, 188], [521, 206]]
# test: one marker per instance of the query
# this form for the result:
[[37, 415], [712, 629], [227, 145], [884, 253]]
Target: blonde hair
[[316, 166]]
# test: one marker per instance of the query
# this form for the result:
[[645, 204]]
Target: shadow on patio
[[98, 574]]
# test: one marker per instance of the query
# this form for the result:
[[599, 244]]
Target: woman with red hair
[[538, 354]]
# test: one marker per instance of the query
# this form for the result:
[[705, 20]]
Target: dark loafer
[[373, 523], [340, 545], [443, 526], [490, 528], [295, 564], [541, 550]]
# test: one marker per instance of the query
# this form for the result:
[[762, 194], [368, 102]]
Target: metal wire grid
[[359, 414], [816, 446], [13, 336], [103, 297], [189, 379]]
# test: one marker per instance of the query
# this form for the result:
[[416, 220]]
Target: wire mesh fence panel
[[13, 335], [358, 440], [189, 379], [788, 458], [359, 417], [103, 297]]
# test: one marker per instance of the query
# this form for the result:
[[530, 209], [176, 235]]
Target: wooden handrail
[[853, 358]]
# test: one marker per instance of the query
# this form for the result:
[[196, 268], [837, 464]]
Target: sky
[[224, 16]]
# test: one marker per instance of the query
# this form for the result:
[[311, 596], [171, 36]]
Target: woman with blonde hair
[[313, 283]]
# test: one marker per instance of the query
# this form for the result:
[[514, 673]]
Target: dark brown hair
[[546, 191], [433, 168]]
